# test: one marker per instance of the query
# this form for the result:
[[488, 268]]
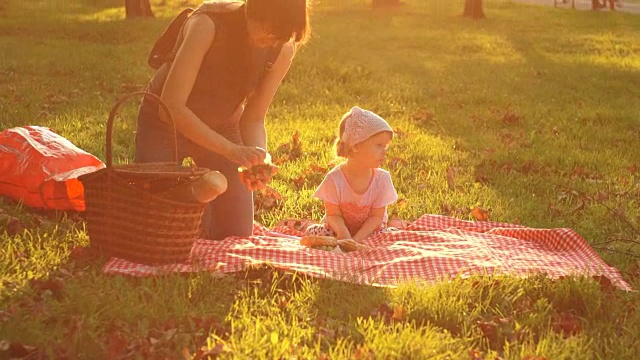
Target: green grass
[[532, 106]]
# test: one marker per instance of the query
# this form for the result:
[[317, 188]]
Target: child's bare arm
[[370, 225], [336, 221]]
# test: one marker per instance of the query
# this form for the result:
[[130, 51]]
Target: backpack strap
[[173, 36], [272, 56], [166, 47]]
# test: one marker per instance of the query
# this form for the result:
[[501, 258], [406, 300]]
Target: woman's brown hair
[[286, 19]]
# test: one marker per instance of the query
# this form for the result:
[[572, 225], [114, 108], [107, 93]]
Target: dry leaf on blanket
[[480, 214]]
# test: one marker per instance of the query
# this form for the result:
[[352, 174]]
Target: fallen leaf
[[10, 224], [398, 313], [422, 116], [363, 353], [480, 214], [53, 285], [17, 350], [451, 178], [400, 133], [579, 171], [506, 167], [475, 354], [567, 324], [553, 210], [213, 352], [319, 168], [384, 311], [267, 199], [397, 162], [489, 329], [116, 345], [605, 283], [530, 167], [83, 254], [602, 196], [511, 117], [288, 151], [453, 211]]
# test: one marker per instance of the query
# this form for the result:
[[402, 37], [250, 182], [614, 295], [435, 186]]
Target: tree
[[597, 4], [473, 9], [138, 8]]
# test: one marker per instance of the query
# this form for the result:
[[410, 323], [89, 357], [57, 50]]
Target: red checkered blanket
[[432, 248]]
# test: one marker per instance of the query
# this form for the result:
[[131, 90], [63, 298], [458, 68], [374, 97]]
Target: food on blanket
[[349, 245], [209, 186], [260, 172], [327, 243], [203, 189]]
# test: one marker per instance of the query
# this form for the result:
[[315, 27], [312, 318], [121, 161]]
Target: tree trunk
[[473, 9], [138, 8], [376, 4], [598, 4]]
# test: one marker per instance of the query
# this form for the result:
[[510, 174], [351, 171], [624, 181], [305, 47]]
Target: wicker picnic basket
[[126, 214]]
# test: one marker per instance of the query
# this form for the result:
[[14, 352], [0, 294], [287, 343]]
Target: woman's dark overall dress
[[230, 71]]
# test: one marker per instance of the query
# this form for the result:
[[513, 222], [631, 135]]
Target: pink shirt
[[356, 207]]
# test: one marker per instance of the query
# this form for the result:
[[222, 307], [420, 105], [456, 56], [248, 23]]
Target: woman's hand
[[246, 156]]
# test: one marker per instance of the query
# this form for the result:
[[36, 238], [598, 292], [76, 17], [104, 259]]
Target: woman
[[230, 60]]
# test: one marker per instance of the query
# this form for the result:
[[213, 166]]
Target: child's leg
[[320, 230]]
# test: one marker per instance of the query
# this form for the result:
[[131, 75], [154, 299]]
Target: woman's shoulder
[[212, 11], [220, 6]]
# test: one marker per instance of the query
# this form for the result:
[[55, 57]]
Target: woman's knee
[[231, 213]]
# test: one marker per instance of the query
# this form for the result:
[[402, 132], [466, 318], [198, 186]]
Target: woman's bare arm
[[252, 125], [198, 37]]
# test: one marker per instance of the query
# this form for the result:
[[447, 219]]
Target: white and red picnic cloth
[[432, 248]]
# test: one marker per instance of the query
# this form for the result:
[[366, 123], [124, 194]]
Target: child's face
[[373, 151]]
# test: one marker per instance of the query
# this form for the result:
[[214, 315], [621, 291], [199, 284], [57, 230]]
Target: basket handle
[[114, 111]]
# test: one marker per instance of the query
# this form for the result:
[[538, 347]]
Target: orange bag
[[40, 168]]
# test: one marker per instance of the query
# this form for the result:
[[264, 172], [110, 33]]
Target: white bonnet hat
[[361, 124]]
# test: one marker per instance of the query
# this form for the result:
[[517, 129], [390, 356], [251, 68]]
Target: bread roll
[[349, 245], [317, 240]]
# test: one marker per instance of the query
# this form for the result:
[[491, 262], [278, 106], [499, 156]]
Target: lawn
[[533, 109]]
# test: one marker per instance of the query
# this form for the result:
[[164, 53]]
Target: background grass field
[[534, 110]]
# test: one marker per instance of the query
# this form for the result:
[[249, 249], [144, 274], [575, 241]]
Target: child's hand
[[257, 176]]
